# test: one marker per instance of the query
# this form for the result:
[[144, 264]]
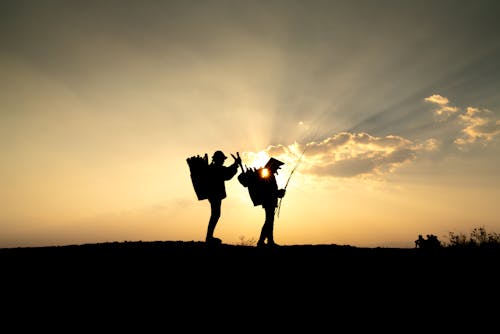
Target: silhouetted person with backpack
[[216, 191], [269, 193]]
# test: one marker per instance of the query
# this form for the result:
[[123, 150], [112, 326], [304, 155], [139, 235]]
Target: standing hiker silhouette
[[269, 193], [218, 174]]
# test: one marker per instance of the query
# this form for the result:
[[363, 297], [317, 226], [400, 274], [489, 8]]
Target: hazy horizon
[[395, 105]]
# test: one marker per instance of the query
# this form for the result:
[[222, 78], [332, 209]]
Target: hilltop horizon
[[386, 113]]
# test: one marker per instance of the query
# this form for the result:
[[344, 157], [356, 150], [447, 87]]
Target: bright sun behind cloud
[[255, 160]]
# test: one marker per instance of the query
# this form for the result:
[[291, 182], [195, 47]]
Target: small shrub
[[478, 238], [244, 242]]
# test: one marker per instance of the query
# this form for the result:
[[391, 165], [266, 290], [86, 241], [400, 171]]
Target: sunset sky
[[395, 106]]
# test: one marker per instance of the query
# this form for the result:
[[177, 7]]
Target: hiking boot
[[213, 241], [261, 244]]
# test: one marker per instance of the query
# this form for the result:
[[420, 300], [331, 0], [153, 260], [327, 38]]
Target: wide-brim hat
[[219, 155], [273, 164]]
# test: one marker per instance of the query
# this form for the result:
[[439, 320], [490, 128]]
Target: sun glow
[[255, 160], [264, 173]]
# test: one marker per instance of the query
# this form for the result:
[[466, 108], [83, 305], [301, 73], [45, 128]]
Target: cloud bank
[[476, 125], [349, 155]]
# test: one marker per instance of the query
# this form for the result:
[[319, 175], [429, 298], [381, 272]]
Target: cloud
[[475, 125], [478, 127], [438, 99], [359, 154], [351, 154], [444, 109]]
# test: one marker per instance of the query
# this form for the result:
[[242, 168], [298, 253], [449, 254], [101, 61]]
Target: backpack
[[198, 167], [251, 179]]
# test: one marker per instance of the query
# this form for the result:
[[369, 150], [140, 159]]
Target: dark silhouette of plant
[[430, 242], [246, 242], [479, 238]]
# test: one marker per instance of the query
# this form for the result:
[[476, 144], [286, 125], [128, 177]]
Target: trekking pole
[[287, 181]]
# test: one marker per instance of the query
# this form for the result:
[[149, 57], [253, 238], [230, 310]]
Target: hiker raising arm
[[218, 174]]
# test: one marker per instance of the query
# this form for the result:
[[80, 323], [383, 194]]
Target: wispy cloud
[[359, 154], [476, 125], [352, 154], [444, 109]]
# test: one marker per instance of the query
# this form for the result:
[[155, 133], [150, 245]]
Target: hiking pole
[[287, 181]]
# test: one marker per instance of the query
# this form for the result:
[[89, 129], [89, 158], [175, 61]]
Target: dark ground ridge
[[200, 253], [189, 276]]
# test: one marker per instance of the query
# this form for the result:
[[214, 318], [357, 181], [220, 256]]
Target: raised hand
[[237, 158]]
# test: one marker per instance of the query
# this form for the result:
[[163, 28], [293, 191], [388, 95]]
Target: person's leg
[[267, 229], [215, 208], [270, 226], [262, 237]]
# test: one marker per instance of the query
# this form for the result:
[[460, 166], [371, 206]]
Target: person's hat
[[219, 155], [274, 164]]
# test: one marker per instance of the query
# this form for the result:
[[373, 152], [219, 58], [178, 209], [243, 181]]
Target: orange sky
[[395, 106]]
